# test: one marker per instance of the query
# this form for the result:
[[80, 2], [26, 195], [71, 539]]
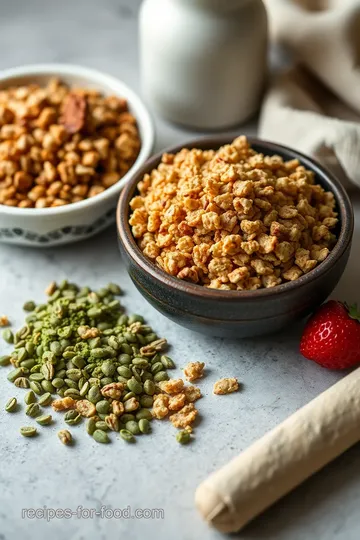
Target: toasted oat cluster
[[233, 219], [60, 145], [226, 386]]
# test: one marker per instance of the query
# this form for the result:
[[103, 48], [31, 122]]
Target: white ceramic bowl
[[76, 221]]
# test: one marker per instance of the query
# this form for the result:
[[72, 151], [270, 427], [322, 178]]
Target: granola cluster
[[233, 219], [60, 145]]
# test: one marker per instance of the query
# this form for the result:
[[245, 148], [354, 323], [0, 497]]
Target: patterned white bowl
[[76, 221]]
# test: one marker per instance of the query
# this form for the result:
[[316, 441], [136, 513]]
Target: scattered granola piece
[[63, 404], [185, 417], [160, 406], [192, 393], [172, 386], [194, 370], [4, 321], [226, 386], [177, 402]]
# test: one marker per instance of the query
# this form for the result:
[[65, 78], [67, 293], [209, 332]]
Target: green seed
[[36, 377], [48, 371], [11, 405], [161, 376], [36, 387], [134, 386], [28, 364], [28, 431], [149, 388], [57, 382], [133, 427], [144, 425], [125, 359], [84, 389], [167, 362], [72, 418], [91, 426], [156, 368], [44, 420], [30, 397], [73, 393], [128, 395], [135, 318], [103, 406], [4, 360], [48, 387], [98, 353], [127, 417], [13, 375], [94, 394], [183, 437], [74, 374], [78, 361], [22, 382], [8, 336], [55, 348], [32, 410], [114, 289], [21, 354], [143, 413], [101, 424], [140, 362], [101, 436], [124, 372], [108, 368], [65, 436], [29, 306], [45, 399], [127, 436], [146, 401]]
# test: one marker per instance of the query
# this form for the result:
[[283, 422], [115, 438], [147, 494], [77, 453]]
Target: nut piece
[[194, 370], [113, 390], [73, 114], [63, 404], [185, 417], [85, 408], [226, 386], [65, 436], [4, 321]]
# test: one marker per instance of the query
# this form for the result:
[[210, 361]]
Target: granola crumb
[[4, 321], [172, 386], [192, 393], [194, 370], [185, 417], [226, 386]]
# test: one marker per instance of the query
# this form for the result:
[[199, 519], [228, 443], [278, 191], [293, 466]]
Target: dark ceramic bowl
[[236, 313]]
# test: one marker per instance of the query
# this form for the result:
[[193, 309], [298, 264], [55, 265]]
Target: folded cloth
[[315, 106]]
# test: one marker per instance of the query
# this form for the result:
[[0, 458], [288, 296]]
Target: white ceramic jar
[[203, 62]]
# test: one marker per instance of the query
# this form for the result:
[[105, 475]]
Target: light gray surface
[[156, 473]]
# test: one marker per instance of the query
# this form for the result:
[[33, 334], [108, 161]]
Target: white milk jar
[[203, 62]]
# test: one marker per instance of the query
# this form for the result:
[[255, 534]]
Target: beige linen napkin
[[315, 106]]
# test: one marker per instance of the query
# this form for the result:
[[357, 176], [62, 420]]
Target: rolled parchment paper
[[282, 459]]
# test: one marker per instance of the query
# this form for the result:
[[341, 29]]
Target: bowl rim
[[120, 88], [344, 208]]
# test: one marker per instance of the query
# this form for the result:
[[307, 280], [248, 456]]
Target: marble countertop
[[156, 473]]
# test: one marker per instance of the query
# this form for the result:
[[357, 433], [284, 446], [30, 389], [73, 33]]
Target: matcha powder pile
[[102, 364]]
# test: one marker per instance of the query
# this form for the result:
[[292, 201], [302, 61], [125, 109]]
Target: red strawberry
[[332, 336]]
